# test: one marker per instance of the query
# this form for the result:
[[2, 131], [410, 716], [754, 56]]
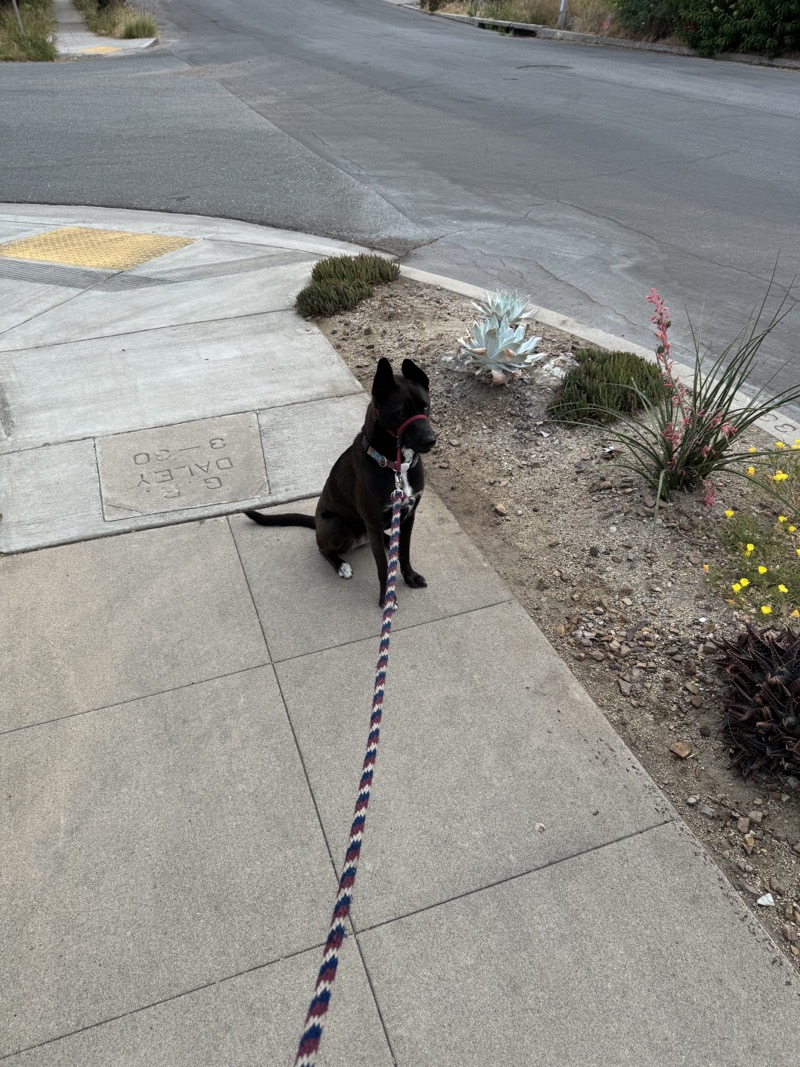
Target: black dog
[[355, 505]]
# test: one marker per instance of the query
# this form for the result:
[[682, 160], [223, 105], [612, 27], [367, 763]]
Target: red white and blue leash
[[312, 1030]]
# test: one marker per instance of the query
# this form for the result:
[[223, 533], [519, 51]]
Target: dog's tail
[[292, 519]]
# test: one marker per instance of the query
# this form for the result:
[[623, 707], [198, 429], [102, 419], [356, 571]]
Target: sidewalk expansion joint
[[521, 874], [144, 330], [134, 699], [165, 1000], [397, 628]]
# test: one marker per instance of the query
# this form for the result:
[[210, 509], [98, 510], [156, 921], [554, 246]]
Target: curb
[[549, 34], [777, 424]]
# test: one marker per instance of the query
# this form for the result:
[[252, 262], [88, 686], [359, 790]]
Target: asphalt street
[[580, 176]]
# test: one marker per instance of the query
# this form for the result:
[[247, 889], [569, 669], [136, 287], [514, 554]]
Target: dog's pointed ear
[[383, 382], [415, 373]]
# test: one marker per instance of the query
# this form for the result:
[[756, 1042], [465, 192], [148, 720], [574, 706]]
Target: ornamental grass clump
[[605, 385], [341, 282], [762, 712], [690, 433], [498, 344]]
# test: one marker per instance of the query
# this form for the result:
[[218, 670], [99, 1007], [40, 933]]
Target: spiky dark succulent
[[762, 714]]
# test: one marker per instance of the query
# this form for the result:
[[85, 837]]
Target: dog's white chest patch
[[345, 570], [408, 459]]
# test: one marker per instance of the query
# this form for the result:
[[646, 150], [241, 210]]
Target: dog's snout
[[428, 441]]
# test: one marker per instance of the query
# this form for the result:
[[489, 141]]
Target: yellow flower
[[729, 514], [762, 570], [737, 587], [782, 588], [749, 550], [797, 550], [796, 614], [751, 471], [744, 582], [766, 609], [705, 568], [752, 450], [779, 476], [780, 444], [783, 518], [792, 529]]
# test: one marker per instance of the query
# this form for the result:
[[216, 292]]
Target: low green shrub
[[602, 386], [763, 26], [327, 298], [646, 18], [364, 270], [341, 282]]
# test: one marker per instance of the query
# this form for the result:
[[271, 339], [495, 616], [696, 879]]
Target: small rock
[[708, 811], [766, 901], [705, 731], [692, 687], [790, 933], [692, 800], [560, 630], [749, 843], [501, 509], [756, 816], [594, 551], [743, 825], [597, 655], [624, 687], [680, 748]]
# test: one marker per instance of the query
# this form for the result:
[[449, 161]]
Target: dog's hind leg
[[335, 536]]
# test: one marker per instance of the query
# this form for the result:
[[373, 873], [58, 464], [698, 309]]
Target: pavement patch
[[189, 465], [85, 246]]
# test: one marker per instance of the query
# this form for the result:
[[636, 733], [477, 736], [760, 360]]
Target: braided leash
[[312, 1031]]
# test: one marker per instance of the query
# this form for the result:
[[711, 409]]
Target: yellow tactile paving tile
[[81, 246], [100, 49]]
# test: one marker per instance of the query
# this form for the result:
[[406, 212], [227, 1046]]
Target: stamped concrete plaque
[[189, 465]]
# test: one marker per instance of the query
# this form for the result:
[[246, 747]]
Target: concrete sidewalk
[[74, 39], [185, 708]]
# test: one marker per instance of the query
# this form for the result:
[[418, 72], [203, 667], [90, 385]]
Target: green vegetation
[[341, 282], [35, 42], [140, 25], [767, 27], [604, 385], [116, 18]]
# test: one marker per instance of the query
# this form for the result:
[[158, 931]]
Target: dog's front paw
[[416, 581]]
